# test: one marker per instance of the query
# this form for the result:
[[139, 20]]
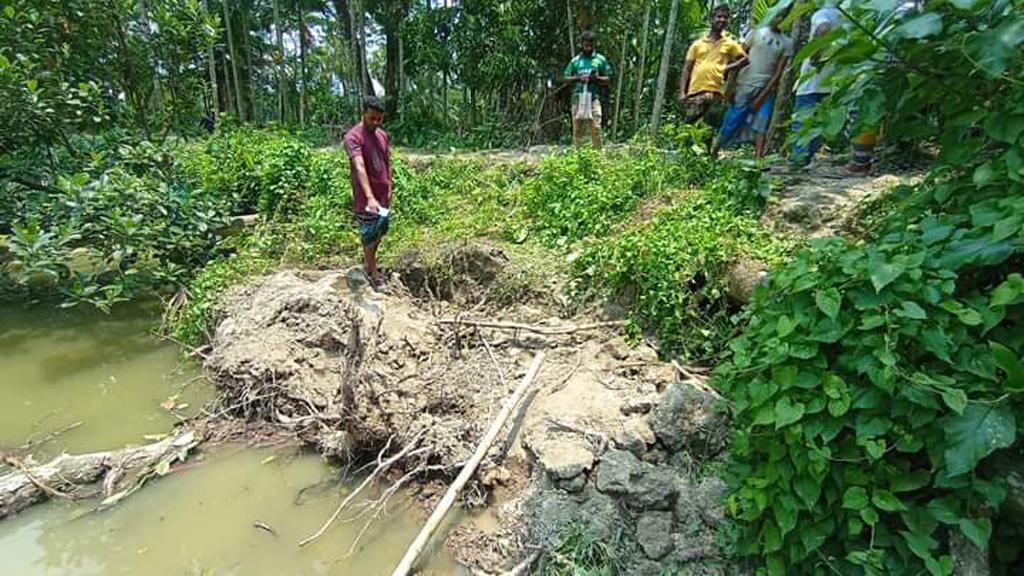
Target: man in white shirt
[[768, 51], [812, 88]]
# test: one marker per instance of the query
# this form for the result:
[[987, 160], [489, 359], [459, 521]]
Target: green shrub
[[873, 384], [106, 239], [263, 171], [671, 268]]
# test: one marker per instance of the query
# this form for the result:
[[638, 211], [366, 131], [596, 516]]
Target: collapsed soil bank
[[608, 437]]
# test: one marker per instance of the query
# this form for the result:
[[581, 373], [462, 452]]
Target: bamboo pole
[[544, 330], [423, 538]]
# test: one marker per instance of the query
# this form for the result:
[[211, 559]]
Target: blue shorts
[[742, 123], [372, 228]]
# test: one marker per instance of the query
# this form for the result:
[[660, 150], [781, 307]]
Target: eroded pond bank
[[230, 510]]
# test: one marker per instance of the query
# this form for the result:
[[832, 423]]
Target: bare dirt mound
[[350, 369], [371, 378]]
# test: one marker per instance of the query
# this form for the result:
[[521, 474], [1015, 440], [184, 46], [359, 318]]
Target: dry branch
[[65, 474], [423, 538], [543, 330]]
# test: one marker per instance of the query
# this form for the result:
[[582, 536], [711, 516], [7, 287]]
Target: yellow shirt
[[709, 61]]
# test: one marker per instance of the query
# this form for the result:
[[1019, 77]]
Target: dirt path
[[817, 202]]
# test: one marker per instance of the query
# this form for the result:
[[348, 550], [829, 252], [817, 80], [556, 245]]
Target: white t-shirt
[[766, 47], [812, 82]]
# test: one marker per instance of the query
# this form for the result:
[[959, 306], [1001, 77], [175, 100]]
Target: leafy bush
[[871, 384], [264, 171], [106, 239], [878, 385], [672, 267]]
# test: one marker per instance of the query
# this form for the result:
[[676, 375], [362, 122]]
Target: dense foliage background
[[875, 381]]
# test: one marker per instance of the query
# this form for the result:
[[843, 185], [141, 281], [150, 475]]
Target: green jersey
[[581, 65]]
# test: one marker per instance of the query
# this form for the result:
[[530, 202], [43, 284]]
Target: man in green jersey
[[590, 72]]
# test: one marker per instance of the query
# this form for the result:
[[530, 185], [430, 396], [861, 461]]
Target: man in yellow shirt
[[701, 86]]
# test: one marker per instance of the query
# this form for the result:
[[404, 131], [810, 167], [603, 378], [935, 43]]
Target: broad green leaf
[[956, 399], [828, 301], [883, 273], [964, 4], [1005, 127], [31, 84], [839, 406], [785, 326], [978, 531], [912, 310], [941, 567], [922, 26], [944, 510], [984, 174], [869, 515], [785, 515], [807, 489], [875, 449], [9, 11], [834, 386], [994, 49], [1010, 292], [787, 412], [1008, 362], [855, 498], [920, 544], [886, 501], [785, 376], [910, 482], [973, 435]]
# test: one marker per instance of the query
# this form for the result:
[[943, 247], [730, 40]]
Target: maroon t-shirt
[[377, 157]]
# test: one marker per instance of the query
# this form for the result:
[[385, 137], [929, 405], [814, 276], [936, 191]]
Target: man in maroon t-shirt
[[370, 167]]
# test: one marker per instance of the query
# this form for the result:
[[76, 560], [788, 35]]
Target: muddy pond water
[[232, 510]]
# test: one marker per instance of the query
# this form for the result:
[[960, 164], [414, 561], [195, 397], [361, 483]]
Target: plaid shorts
[[372, 227]]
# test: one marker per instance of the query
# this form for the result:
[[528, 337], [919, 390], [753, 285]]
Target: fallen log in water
[[68, 475]]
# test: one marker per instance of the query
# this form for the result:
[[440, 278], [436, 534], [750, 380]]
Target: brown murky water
[[110, 374]]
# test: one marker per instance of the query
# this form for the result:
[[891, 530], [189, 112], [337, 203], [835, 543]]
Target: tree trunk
[[66, 475], [392, 71], [666, 59], [252, 100], [212, 61], [158, 98], [282, 92], [638, 96], [303, 72], [618, 86], [568, 22], [239, 106]]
